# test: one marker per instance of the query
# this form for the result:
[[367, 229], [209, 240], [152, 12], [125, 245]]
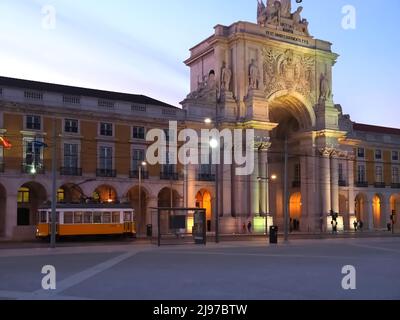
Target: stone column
[[312, 198], [370, 213], [255, 185], [306, 185], [264, 183], [226, 184], [11, 215], [351, 196], [325, 185], [335, 182]]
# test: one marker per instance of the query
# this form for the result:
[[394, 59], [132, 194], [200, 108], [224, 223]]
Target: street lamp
[[214, 144], [141, 166]]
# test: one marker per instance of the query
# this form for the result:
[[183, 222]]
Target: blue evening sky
[[138, 46]]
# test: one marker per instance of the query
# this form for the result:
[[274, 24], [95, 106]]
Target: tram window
[[88, 217], [78, 217], [128, 216], [68, 217], [97, 217], [115, 217], [107, 217], [57, 217], [43, 217]]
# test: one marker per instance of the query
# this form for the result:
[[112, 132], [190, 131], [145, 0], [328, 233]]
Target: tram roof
[[90, 206]]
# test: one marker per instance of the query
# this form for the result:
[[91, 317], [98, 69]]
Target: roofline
[[377, 129], [80, 91]]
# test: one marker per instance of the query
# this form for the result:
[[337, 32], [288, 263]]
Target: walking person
[[355, 224], [249, 227]]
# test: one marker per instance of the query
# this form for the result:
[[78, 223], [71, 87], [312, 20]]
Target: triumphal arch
[[275, 77]]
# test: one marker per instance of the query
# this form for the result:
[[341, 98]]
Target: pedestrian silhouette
[[249, 226]]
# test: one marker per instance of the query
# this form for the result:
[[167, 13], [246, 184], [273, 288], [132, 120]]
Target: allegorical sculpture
[[253, 75], [324, 91], [226, 76], [278, 13]]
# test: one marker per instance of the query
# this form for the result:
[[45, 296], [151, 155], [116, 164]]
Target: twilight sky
[[138, 46]]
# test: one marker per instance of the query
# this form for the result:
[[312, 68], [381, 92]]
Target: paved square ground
[[302, 269]]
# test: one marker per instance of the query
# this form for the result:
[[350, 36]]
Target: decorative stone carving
[[324, 89], [254, 75], [278, 14], [286, 70], [226, 76], [206, 88], [262, 143]]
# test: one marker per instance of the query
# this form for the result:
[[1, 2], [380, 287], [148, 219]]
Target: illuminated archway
[[361, 208], [295, 208], [105, 194], [378, 212], [70, 193], [204, 201], [31, 196]]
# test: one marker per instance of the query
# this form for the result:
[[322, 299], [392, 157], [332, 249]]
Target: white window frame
[[133, 150], [396, 179], [358, 156], [364, 176], [133, 130], [379, 178], [112, 128], [398, 156], [106, 145], [71, 133], [375, 155], [25, 142], [79, 151], [26, 123]]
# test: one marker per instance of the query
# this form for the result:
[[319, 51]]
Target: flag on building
[[5, 143]]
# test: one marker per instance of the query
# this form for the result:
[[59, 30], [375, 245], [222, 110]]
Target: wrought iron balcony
[[32, 169], [106, 173], [362, 184], [169, 176], [134, 174], [395, 185], [380, 185], [296, 184], [205, 177], [77, 172]]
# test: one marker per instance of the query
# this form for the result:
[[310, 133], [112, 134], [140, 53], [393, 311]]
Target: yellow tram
[[87, 219]]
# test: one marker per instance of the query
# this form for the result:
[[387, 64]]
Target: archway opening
[[204, 201], [378, 213], [31, 196], [295, 208], [140, 207], [167, 198], [361, 208], [3, 200], [105, 194], [70, 193]]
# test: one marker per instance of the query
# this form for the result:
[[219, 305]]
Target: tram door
[[128, 222]]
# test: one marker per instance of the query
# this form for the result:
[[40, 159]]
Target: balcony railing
[[296, 184], [395, 185], [169, 176], [380, 185], [1, 167], [30, 169], [106, 173], [135, 174], [77, 172], [343, 183], [362, 184], [205, 177]]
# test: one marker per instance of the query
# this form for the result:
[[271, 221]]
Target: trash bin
[[149, 230], [273, 234]]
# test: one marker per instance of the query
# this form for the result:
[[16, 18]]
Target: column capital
[[262, 143]]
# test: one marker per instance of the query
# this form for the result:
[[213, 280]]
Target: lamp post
[[141, 166], [214, 144]]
